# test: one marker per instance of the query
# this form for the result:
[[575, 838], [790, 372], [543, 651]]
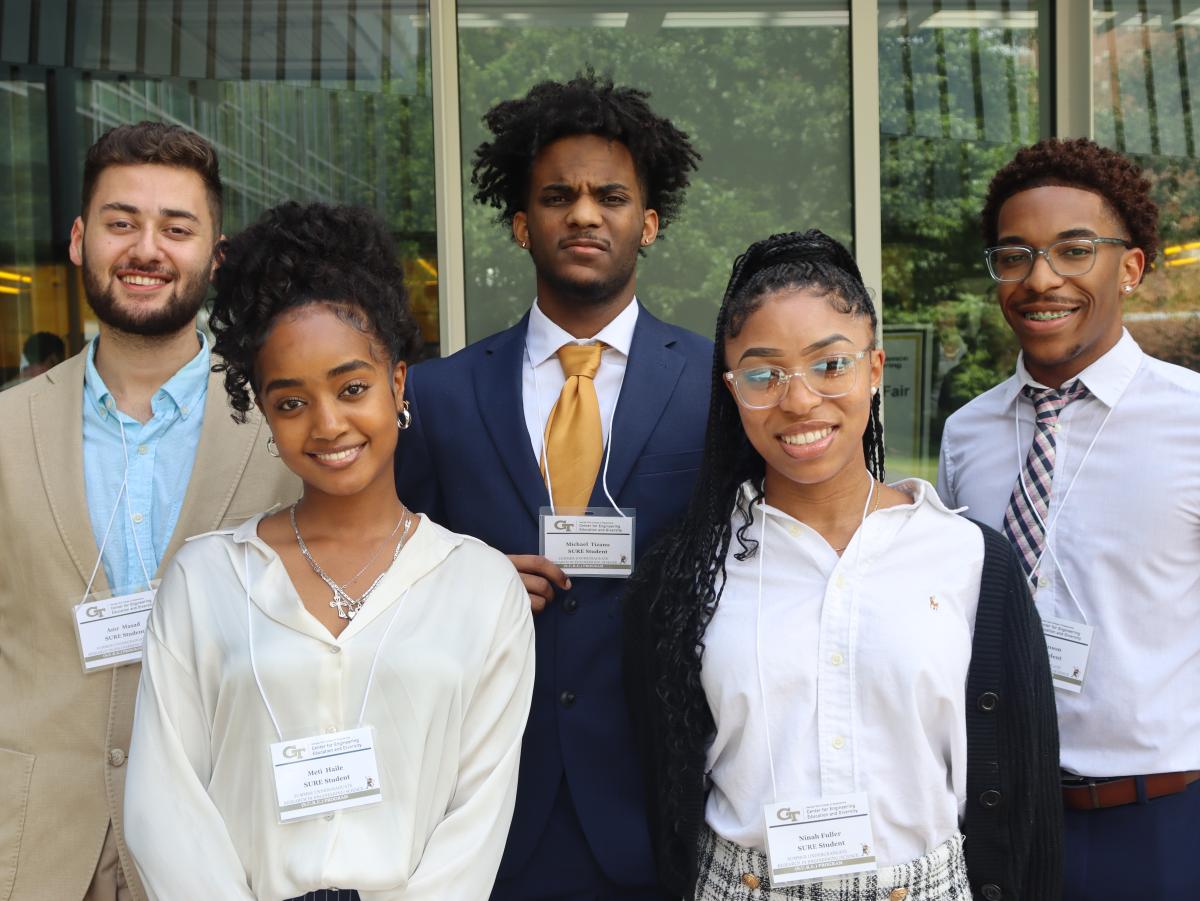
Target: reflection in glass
[[763, 89], [328, 101], [958, 91], [1146, 81]]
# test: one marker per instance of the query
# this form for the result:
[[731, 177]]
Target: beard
[[593, 291], [187, 297]]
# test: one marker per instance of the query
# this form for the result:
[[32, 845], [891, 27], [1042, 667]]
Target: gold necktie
[[574, 441]]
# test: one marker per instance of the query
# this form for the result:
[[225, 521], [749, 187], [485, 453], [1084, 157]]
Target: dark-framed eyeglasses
[[762, 387], [1069, 258]]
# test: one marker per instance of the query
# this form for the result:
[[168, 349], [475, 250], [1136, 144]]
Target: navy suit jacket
[[467, 462]]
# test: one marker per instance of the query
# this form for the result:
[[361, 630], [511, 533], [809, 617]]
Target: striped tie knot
[[1048, 402]]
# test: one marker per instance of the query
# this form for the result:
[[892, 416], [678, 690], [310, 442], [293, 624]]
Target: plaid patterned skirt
[[729, 872]]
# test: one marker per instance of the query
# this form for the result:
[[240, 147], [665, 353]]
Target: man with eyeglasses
[[1088, 458]]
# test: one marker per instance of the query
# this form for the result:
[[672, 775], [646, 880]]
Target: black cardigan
[[1013, 822]]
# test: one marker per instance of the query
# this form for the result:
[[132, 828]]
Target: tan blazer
[[64, 736]]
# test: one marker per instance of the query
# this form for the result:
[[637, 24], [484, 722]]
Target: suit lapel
[[221, 457], [56, 416], [498, 390], [650, 376]]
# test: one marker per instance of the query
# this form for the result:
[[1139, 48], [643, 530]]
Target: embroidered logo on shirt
[[933, 604]]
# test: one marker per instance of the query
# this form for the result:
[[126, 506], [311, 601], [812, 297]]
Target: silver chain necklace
[[347, 607]]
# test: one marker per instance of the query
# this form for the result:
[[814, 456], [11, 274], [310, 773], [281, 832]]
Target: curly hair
[[159, 143], [1079, 163], [678, 581], [663, 156], [297, 255]]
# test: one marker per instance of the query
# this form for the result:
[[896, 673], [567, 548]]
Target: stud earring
[[874, 390], [1128, 289], [403, 417], [524, 245], [272, 447]]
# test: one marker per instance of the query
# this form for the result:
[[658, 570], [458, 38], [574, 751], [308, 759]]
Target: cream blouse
[[448, 705]]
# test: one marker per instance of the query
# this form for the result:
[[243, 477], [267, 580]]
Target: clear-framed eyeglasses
[[1069, 258], [761, 387]]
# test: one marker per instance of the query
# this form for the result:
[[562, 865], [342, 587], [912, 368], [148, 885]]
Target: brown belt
[[1089, 794]]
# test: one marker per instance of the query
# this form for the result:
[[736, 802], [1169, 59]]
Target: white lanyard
[[121, 492], [762, 553], [537, 400], [1047, 528], [254, 666]]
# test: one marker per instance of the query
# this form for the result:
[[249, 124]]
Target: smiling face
[[585, 220], [146, 245], [331, 399], [1064, 324], [806, 439]]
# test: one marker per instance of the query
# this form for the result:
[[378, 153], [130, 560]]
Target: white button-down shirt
[[448, 705], [542, 382], [863, 662], [1124, 547]]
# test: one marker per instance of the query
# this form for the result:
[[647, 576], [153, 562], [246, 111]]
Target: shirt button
[[751, 881], [183, 410], [836, 659], [840, 582], [108, 402], [839, 743], [793, 530], [567, 698], [143, 450], [990, 798], [137, 517], [116, 757], [329, 816], [570, 605], [334, 649], [1043, 582]]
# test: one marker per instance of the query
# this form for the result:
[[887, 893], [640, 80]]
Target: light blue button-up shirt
[[159, 454]]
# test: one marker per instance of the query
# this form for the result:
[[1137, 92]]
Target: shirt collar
[[544, 336], [185, 389], [1106, 379], [919, 490]]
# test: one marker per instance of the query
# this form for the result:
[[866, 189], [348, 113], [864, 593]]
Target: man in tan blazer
[[146, 241]]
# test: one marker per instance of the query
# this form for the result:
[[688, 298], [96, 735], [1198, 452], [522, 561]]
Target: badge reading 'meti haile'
[[319, 774], [594, 542]]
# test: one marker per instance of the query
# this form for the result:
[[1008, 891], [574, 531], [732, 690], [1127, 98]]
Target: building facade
[[878, 121]]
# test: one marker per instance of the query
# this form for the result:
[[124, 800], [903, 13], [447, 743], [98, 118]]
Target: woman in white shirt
[[333, 694], [834, 679]]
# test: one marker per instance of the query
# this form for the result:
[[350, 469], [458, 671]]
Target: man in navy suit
[[586, 176]]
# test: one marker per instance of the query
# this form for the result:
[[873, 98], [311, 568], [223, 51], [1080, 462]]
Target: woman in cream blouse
[[333, 694]]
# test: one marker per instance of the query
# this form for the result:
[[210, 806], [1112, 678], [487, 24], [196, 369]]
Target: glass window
[[763, 89], [958, 93], [328, 102], [1146, 80]]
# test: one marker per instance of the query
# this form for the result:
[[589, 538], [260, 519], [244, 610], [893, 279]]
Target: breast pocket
[[662, 464]]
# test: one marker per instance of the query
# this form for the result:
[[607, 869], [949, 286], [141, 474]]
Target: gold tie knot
[[580, 359]]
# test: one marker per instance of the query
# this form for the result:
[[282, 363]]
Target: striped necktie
[[1025, 518]]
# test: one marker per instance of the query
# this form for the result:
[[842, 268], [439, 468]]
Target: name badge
[[319, 774], [597, 543], [1069, 644], [111, 631], [820, 839]]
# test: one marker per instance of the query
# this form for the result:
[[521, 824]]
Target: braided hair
[[663, 156], [296, 255], [678, 582]]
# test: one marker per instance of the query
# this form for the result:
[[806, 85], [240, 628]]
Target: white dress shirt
[[863, 661], [1123, 547], [542, 382], [448, 705]]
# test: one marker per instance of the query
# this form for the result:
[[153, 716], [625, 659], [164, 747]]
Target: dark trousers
[[1147, 851], [562, 867]]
